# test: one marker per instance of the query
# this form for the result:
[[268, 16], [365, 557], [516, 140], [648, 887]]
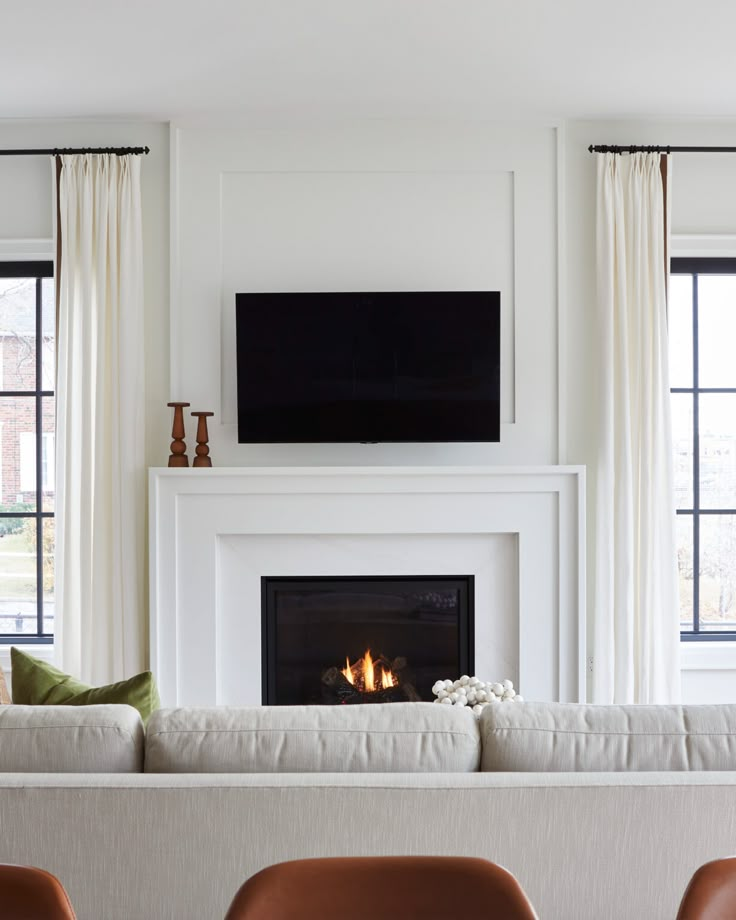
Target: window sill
[[44, 652], [707, 656]]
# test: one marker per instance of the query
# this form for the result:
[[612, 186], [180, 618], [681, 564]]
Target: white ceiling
[[169, 59]]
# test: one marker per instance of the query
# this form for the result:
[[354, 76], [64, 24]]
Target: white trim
[[174, 263], [44, 652], [708, 656], [562, 311], [26, 250], [707, 245], [705, 656], [190, 510]]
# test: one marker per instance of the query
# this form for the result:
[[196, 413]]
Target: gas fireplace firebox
[[378, 639]]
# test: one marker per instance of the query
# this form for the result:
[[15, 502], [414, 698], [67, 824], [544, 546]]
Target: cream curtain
[[100, 539], [636, 616]]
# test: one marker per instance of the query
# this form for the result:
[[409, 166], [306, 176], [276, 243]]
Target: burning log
[[337, 685], [368, 682]]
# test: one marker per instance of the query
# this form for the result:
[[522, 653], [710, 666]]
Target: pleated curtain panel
[[636, 614], [100, 623]]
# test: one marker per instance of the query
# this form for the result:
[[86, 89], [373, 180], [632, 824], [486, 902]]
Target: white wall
[[26, 228], [383, 205], [703, 203], [368, 206]]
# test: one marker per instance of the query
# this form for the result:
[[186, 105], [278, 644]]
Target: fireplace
[[344, 640]]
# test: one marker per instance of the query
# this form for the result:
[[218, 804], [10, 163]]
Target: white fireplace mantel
[[215, 532]]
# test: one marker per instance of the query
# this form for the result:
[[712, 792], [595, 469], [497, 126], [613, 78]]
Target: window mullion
[[696, 465], [39, 464]]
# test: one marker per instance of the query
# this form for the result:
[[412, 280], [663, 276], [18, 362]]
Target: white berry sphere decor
[[475, 693]]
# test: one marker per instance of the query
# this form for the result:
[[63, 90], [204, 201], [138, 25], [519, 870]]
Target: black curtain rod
[[63, 151], [615, 148]]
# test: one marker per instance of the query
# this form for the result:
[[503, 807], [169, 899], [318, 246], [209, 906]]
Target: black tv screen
[[368, 367]]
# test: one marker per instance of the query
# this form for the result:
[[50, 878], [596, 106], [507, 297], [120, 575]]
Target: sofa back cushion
[[562, 737], [381, 738], [70, 739]]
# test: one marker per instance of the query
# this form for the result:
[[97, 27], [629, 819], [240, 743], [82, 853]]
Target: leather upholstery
[[27, 893], [711, 894], [374, 888]]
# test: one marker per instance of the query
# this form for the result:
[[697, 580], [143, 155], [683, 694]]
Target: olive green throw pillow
[[36, 683]]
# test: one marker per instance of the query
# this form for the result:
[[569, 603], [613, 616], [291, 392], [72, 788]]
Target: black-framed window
[[702, 346], [27, 422]]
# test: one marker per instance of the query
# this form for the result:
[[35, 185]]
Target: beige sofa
[[168, 823]]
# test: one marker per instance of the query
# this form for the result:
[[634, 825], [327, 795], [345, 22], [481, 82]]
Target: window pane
[[684, 533], [680, 330], [718, 571], [49, 548], [48, 334], [718, 450], [27, 455], [716, 330], [682, 438], [18, 333], [18, 575], [18, 453], [48, 456]]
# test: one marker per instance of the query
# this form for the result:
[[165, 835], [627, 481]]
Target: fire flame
[[362, 674]]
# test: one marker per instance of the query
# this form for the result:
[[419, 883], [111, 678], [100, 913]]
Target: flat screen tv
[[368, 367]]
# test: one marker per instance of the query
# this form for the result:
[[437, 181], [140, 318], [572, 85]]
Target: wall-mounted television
[[368, 367]]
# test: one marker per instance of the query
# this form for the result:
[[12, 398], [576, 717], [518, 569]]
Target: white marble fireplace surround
[[215, 532]]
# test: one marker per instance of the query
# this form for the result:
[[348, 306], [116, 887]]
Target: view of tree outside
[[716, 325], [20, 539]]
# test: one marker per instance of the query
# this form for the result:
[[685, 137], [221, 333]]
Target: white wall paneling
[[214, 533], [346, 231], [375, 206]]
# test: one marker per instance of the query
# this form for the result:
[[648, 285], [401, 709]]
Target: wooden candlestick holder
[[178, 456], [202, 451]]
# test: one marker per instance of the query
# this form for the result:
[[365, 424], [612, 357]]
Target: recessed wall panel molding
[[373, 207], [299, 232]]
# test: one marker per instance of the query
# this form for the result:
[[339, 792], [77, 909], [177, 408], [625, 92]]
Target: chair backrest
[[374, 888], [27, 893], [711, 894]]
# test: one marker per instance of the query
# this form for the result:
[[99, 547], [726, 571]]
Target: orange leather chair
[[32, 894], [382, 888], [711, 894]]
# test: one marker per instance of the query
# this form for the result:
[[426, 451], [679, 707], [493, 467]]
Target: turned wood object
[[178, 456], [202, 450]]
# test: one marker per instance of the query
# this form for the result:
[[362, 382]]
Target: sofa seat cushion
[[381, 738], [562, 737], [64, 739]]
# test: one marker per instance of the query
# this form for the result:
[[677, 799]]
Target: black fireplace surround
[[313, 627]]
